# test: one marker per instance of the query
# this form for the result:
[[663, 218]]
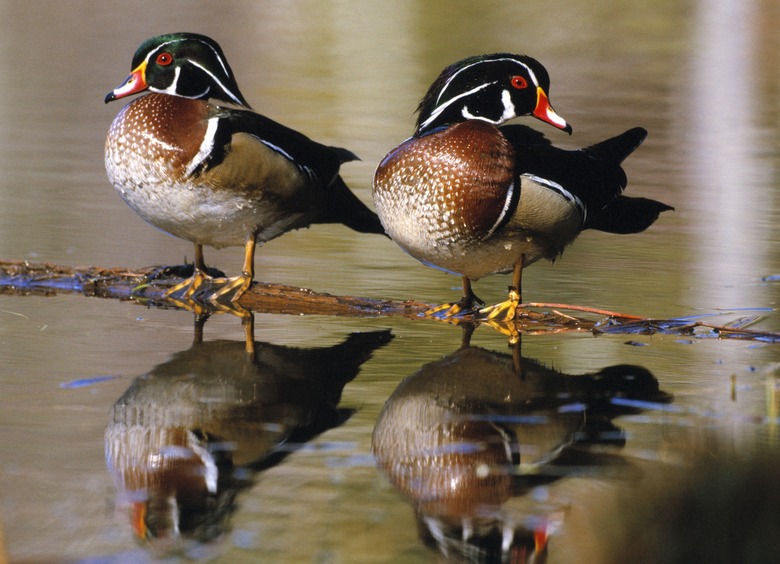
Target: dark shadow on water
[[185, 439], [464, 435]]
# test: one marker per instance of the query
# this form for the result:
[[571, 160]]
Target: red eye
[[164, 59], [519, 82]]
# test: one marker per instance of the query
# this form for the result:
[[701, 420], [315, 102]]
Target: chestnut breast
[[154, 138], [154, 150], [447, 188]]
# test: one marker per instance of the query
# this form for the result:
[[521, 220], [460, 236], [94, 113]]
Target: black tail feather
[[616, 149], [627, 215], [342, 206]]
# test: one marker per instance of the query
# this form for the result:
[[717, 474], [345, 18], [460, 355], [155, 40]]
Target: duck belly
[[206, 216]]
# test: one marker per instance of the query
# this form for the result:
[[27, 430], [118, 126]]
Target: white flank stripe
[[287, 156], [562, 191]]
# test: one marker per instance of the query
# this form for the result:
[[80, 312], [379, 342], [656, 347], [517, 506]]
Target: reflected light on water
[[724, 149]]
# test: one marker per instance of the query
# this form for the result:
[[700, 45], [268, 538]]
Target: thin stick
[[725, 329], [587, 309]]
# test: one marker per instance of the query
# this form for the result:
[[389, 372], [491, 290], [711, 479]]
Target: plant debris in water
[[25, 278]]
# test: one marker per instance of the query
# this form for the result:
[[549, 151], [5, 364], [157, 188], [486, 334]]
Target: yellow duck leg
[[464, 306], [194, 282], [236, 287], [506, 311]]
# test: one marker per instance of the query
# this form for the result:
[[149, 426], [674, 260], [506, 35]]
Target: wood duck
[[193, 159], [471, 197]]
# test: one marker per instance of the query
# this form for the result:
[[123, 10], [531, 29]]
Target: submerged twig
[[586, 309]]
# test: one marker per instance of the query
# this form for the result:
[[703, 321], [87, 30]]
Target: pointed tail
[[617, 148], [627, 215], [623, 215], [342, 206]]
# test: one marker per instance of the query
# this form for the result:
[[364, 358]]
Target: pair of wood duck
[[464, 194]]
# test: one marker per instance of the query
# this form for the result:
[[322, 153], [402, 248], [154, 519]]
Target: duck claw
[[458, 310], [202, 292], [442, 311], [503, 312], [188, 288], [500, 313], [229, 290]]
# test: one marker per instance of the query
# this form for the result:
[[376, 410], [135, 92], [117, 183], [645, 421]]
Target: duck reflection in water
[[465, 434], [187, 437]]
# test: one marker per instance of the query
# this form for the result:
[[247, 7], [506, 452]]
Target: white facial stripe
[[468, 115], [448, 103], [530, 73], [216, 54], [205, 147], [506, 99], [509, 111], [222, 86], [510, 59], [172, 88], [450, 79], [160, 46]]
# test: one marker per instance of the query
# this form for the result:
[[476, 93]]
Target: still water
[[354, 439]]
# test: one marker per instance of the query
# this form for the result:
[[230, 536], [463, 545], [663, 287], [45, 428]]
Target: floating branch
[[148, 285]]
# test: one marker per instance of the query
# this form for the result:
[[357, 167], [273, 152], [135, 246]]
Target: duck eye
[[519, 82], [164, 59]]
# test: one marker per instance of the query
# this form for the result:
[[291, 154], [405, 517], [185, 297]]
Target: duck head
[[492, 88], [181, 64]]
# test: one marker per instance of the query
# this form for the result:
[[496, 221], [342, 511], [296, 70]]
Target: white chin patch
[[509, 107], [509, 111]]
